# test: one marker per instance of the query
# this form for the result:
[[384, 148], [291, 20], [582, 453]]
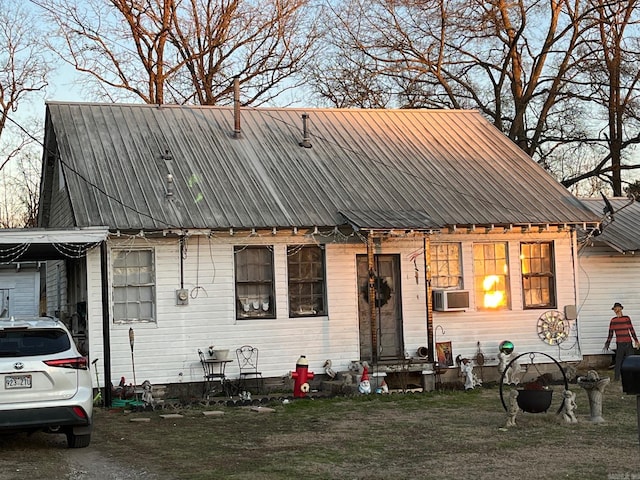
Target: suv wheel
[[78, 441]]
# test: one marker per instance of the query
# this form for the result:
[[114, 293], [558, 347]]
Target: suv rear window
[[29, 343]]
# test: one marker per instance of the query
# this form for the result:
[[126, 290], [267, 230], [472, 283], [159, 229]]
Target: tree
[[23, 72], [610, 84], [184, 51], [20, 191], [520, 62]]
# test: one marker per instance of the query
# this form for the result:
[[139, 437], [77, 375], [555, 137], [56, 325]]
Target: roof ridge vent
[[306, 143]]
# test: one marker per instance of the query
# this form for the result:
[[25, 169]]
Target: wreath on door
[[382, 289]]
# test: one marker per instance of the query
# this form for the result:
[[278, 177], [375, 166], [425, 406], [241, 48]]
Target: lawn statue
[[512, 374], [365, 385], [331, 373], [513, 408], [147, 397], [594, 386], [383, 388], [470, 378], [301, 377], [569, 407]]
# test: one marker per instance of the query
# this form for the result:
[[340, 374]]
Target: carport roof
[[38, 244]]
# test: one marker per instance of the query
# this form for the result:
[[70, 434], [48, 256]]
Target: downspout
[[182, 240], [372, 298], [576, 279], [106, 338], [427, 290]]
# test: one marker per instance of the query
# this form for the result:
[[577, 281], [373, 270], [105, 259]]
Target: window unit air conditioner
[[450, 300]]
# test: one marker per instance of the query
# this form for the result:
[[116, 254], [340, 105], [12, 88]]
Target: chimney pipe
[[236, 107], [305, 132]]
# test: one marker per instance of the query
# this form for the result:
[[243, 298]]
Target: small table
[[214, 371]]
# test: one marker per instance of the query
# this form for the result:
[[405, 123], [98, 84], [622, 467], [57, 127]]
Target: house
[[609, 265], [336, 234]]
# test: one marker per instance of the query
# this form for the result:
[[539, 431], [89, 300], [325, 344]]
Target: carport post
[[106, 338]]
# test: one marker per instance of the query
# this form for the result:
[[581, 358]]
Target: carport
[[45, 244], [40, 244]]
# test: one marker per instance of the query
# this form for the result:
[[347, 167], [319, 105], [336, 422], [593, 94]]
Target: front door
[[388, 309]]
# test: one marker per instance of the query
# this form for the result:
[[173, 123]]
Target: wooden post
[[372, 297], [427, 290]]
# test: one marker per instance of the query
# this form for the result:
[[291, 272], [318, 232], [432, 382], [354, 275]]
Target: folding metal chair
[[248, 364]]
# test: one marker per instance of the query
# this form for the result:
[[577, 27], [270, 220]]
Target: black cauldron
[[534, 401]]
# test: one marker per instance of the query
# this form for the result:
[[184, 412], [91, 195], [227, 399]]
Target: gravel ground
[[43, 456]]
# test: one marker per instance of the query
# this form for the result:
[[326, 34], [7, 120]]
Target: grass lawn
[[435, 435], [439, 435]]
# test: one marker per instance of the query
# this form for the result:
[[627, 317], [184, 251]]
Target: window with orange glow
[[538, 275], [491, 275]]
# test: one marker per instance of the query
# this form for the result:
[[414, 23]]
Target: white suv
[[46, 383]]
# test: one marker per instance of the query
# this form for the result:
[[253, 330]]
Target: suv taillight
[[79, 363]]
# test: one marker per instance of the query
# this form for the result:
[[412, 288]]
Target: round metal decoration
[[553, 328]]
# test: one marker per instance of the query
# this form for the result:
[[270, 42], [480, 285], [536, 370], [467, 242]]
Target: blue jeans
[[623, 350]]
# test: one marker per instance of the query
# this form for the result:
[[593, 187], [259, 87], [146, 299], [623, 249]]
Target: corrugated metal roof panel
[[450, 164], [385, 219], [623, 233]]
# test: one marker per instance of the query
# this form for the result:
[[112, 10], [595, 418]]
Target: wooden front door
[[388, 311]]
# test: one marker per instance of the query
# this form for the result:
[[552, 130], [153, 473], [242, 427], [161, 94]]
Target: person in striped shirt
[[622, 327]]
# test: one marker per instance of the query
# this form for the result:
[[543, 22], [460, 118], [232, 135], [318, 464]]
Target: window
[[491, 275], [254, 282], [305, 265], [133, 286], [538, 275], [446, 265]]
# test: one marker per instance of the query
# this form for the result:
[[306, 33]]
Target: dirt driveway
[[42, 456]]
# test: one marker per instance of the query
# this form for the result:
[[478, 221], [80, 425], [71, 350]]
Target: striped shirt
[[623, 329]]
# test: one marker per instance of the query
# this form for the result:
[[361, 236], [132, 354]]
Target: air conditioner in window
[[450, 300]]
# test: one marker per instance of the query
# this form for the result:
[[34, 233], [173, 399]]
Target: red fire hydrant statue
[[302, 375]]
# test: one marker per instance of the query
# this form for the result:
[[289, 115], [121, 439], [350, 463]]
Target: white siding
[[165, 351], [606, 277], [466, 329], [56, 287], [23, 285]]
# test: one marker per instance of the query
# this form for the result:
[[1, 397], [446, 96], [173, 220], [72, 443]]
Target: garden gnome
[[365, 385], [569, 407], [513, 408]]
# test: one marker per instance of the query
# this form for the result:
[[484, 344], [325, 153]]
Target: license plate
[[17, 381]]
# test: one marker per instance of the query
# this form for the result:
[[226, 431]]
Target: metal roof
[[370, 168], [622, 231]]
